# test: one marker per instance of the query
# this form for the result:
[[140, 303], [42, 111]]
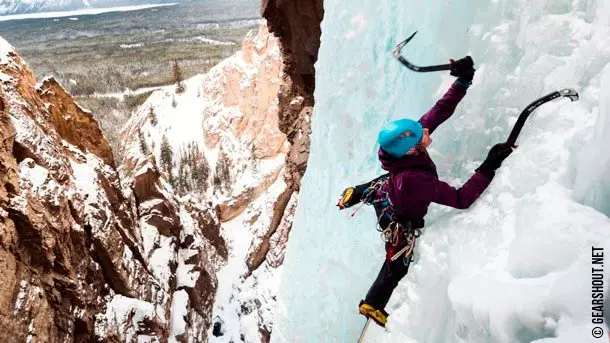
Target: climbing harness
[[396, 235], [394, 232]]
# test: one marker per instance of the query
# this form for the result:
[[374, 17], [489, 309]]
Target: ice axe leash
[[396, 52], [566, 92]]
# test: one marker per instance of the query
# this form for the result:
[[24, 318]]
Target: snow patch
[[204, 40], [230, 24], [32, 172], [5, 50], [20, 297], [242, 234], [81, 12], [127, 314], [85, 176], [131, 46], [179, 314]]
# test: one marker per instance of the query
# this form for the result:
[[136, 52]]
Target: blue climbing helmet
[[400, 136]]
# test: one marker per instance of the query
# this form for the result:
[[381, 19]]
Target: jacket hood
[[394, 165]]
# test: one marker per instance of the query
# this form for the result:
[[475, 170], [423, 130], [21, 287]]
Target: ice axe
[[406, 63], [512, 138], [566, 92]]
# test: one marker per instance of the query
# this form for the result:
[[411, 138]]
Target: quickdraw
[[394, 235]]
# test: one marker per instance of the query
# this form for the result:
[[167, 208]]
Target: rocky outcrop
[[9, 186], [228, 117], [74, 124], [9, 178], [234, 150], [244, 92], [259, 252], [155, 208], [85, 255], [63, 236], [233, 206], [297, 24], [247, 83]]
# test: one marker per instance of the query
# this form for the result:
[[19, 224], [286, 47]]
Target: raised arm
[[464, 70], [444, 108]]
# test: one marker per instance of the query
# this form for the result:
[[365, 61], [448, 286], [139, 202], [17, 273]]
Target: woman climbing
[[401, 197]]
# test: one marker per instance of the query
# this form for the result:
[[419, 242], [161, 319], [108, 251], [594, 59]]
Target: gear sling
[[399, 236]]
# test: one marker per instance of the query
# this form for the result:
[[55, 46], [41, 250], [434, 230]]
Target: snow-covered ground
[[230, 111], [81, 12], [516, 266], [233, 295], [121, 95]]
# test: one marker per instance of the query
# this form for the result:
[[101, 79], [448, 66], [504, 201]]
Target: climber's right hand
[[463, 69], [497, 154]]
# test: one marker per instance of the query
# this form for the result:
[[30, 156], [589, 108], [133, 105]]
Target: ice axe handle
[[567, 92]]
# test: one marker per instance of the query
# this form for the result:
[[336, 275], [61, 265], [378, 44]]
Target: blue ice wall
[[522, 50]]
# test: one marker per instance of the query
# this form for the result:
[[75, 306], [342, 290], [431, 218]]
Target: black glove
[[463, 69], [354, 195], [497, 154]]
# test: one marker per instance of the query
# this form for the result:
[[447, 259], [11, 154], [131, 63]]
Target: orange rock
[[73, 123]]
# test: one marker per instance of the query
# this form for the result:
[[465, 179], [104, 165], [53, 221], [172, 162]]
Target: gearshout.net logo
[[597, 291]]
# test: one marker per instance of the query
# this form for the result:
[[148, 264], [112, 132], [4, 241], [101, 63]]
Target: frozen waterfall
[[516, 266]]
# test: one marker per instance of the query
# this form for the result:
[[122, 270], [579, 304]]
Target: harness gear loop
[[398, 234], [407, 250]]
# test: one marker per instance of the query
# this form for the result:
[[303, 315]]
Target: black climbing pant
[[391, 272]]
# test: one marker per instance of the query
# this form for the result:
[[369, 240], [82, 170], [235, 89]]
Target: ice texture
[[516, 266]]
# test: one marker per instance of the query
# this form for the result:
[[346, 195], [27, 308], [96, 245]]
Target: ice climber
[[401, 197]]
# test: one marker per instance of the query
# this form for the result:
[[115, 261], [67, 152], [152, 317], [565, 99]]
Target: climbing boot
[[379, 316]]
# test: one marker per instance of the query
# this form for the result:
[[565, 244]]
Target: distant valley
[[98, 58], [9, 7]]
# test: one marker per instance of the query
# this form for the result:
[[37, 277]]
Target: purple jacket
[[414, 182]]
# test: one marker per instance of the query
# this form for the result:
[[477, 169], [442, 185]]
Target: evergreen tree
[[193, 170], [152, 116], [202, 169], [172, 179], [143, 147], [255, 161], [167, 157], [183, 185], [222, 176], [177, 75], [217, 182]]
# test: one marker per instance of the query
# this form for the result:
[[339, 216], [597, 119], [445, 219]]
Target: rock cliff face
[[297, 25], [63, 239], [74, 124], [83, 256], [189, 230], [219, 142]]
